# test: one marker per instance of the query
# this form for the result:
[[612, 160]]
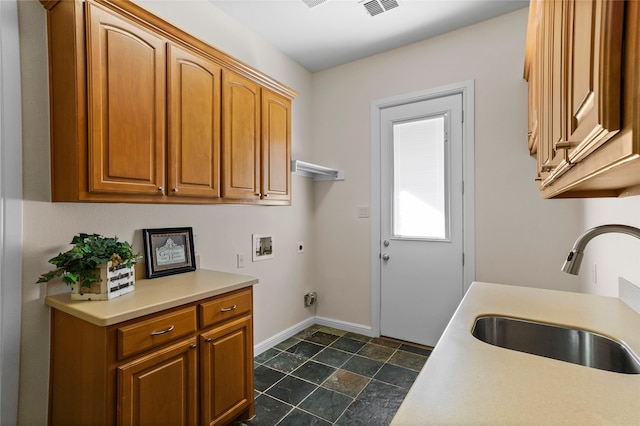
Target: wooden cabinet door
[[552, 157], [160, 388], [126, 104], [531, 73], [226, 372], [194, 124], [240, 137], [594, 73], [276, 146]]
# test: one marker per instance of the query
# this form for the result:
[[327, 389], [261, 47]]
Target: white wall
[[520, 238], [614, 255], [221, 231]]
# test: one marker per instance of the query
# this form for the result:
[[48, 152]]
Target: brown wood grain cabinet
[[276, 147], [160, 388], [126, 108], [582, 66], [241, 137], [226, 371], [188, 365], [256, 142], [194, 93], [137, 109]]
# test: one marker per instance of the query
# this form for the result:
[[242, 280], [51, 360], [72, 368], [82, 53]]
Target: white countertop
[[152, 295], [467, 381]]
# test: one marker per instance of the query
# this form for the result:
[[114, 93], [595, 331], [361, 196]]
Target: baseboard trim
[[293, 330], [345, 326], [282, 336]]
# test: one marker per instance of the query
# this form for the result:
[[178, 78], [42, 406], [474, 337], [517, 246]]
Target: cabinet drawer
[[156, 331], [225, 307]]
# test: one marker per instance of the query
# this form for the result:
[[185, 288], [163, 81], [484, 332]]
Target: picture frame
[[168, 251]]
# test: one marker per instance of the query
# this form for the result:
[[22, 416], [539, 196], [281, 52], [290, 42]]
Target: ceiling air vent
[[376, 7], [313, 3]]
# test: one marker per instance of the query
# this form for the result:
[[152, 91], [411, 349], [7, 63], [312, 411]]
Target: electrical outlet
[[240, 260], [300, 247], [363, 211]]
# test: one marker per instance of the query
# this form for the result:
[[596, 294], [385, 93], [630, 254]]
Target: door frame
[[10, 211], [466, 89]]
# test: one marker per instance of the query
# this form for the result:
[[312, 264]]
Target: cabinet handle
[[561, 145], [266, 195], [175, 189], [228, 309], [208, 340], [156, 333], [161, 188], [194, 346], [257, 194]]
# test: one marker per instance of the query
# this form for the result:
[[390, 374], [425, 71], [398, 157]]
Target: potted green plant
[[96, 267]]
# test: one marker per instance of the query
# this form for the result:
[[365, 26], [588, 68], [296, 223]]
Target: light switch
[[363, 211]]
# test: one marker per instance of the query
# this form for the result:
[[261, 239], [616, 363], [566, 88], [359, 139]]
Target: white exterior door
[[421, 218]]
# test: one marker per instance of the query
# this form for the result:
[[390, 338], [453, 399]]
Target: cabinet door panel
[[552, 149], [226, 371], [126, 81], [194, 124], [594, 73], [276, 143], [160, 388], [241, 137]]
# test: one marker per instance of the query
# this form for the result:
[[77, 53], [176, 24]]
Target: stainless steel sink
[[562, 343]]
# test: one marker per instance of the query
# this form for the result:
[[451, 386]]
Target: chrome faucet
[[574, 259]]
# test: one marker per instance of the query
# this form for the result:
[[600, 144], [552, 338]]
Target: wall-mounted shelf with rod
[[315, 171]]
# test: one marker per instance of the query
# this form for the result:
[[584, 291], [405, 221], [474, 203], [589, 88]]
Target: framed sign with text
[[168, 251]]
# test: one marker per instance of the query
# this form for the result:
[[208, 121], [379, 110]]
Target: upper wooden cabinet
[[548, 88], [126, 108], [194, 124], [276, 147], [137, 109], [256, 142], [594, 78], [241, 137], [582, 66]]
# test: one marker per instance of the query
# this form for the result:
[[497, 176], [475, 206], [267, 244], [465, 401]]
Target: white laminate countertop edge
[[466, 381], [152, 295]]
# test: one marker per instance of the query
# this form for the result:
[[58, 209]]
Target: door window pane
[[420, 207]]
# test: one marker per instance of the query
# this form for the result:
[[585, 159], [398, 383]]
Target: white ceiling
[[340, 31]]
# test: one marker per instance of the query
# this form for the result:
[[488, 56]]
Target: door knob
[[386, 243], [385, 257]]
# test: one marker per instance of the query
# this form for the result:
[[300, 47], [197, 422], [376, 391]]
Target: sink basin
[[573, 345]]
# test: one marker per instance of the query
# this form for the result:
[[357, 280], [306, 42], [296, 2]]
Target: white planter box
[[113, 282]]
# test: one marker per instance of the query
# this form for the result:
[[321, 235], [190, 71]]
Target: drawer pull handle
[[229, 309], [157, 333], [208, 340]]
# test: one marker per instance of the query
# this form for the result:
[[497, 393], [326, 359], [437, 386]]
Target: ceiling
[[334, 32]]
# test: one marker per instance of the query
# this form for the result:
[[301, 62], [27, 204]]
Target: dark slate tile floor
[[325, 376]]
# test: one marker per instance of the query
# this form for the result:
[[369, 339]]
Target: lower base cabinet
[[185, 366], [160, 388], [225, 372]]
